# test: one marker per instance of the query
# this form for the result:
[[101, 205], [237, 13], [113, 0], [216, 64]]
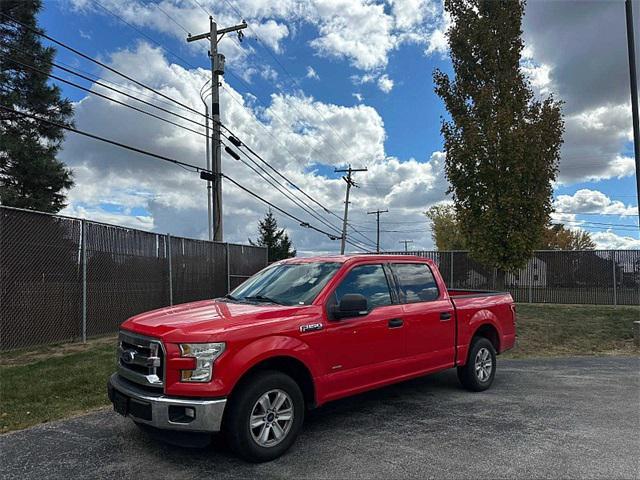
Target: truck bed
[[473, 307]]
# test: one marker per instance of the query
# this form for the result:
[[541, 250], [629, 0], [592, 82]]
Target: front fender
[[270, 347]]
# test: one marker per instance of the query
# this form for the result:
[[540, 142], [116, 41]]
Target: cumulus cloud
[[610, 240], [595, 93], [362, 32], [311, 73], [295, 134], [385, 83], [592, 201]]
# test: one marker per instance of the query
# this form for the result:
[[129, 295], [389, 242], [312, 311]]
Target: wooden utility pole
[[350, 183], [217, 70], [406, 244], [377, 214]]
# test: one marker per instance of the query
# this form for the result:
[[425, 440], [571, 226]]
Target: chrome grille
[[141, 359]]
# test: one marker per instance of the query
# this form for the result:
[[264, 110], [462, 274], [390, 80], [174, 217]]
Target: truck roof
[[354, 257]]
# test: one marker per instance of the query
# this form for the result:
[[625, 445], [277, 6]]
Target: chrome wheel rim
[[271, 418], [483, 364]]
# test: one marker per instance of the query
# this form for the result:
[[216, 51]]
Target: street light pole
[[633, 81]]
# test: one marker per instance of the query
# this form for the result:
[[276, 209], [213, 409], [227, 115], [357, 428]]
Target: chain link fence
[[65, 279], [598, 277]]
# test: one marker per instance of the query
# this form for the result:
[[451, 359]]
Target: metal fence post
[[615, 291], [530, 269], [228, 270], [451, 275], [170, 271], [83, 247]]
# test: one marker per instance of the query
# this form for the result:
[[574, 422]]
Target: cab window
[[415, 282], [367, 280]]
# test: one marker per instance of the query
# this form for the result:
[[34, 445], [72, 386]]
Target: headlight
[[205, 354]]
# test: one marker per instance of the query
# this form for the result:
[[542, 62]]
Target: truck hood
[[198, 321]]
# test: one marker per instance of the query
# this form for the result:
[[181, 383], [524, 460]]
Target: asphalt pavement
[[550, 418]]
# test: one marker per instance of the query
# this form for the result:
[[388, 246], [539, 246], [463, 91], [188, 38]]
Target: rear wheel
[[477, 375], [265, 416]]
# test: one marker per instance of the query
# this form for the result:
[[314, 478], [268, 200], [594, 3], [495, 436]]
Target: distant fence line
[[602, 277], [64, 278]]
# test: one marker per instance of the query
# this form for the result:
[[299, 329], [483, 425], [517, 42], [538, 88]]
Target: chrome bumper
[[164, 412]]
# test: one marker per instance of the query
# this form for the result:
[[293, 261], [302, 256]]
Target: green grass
[[53, 382], [35, 390], [561, 330]]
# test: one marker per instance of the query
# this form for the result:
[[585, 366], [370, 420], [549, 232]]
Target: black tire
[[477, 380], [242, 403]]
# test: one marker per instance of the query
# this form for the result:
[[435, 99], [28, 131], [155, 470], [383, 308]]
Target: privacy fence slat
[[65, 279], [598, 277]]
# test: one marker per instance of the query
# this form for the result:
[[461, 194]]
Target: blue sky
[[404, 117]]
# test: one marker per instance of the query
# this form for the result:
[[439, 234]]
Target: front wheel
[[265, 416], [477, 375]]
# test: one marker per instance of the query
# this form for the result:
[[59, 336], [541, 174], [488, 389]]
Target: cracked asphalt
[[547, 418]]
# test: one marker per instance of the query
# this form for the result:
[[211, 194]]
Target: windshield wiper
[[262, 298], [230, 297]]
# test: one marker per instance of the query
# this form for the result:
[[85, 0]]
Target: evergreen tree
[[276, 240], [502, 145], [30, 175]]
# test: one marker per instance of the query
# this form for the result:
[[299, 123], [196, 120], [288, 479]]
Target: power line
[[239, 143], [101, 64], [208, 13], [140, 32], [194, 168], [130, 96], [296, 83], [93, 92], [103, 85], [157, 5], [598, 213], [297, 201]]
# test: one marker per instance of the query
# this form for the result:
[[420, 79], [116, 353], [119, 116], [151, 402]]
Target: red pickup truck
[[298, 334]]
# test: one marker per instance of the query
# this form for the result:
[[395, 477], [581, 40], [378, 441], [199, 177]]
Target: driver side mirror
[[351, 305]]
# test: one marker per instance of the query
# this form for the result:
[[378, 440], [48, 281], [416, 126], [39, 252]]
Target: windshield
[[287, 283]]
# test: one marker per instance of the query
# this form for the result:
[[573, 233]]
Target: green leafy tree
[[558, 237], [30, 175], [445, 228], [276, 240], [502, 145]]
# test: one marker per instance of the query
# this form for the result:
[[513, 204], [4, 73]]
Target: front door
[[363, 350]]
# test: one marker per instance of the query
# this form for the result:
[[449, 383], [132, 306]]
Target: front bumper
[[160, 411]]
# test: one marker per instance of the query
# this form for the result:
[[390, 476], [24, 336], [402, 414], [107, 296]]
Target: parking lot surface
[[551, 418]]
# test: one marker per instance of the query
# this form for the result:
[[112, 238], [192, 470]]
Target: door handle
[[444, 316], [395, 323]]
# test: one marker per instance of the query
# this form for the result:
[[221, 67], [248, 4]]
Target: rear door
[[361, 350], [429, 317]]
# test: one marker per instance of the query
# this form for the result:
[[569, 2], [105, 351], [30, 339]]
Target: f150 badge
[[310, 327]]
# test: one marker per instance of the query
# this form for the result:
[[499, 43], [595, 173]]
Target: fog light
[[180, 414]]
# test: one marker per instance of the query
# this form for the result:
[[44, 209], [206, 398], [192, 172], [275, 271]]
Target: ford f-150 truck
[[298, 334]]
